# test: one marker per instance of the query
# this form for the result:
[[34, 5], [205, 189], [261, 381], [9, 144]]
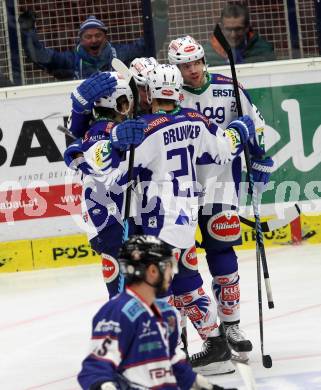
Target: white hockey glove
[[201, 383], [108, 386]]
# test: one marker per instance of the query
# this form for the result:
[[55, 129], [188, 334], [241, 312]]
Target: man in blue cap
[[93, 53]]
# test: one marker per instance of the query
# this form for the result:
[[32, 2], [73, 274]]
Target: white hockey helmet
[[185, 49], [122, 89], [165, 82], [140, 67]]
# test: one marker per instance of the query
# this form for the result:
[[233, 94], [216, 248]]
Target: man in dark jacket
[[247, 46], [93, 53]]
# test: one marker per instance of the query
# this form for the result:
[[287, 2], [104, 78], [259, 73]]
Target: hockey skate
[[239, 345], [215, 357]]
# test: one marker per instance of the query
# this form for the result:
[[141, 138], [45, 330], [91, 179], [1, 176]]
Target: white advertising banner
[[39, 195]]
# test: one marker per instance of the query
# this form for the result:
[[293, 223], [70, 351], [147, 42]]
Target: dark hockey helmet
[[139, 251]]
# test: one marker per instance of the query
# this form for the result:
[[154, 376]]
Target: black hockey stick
[[290, 214], [259, 236], [121, 68], [64, 130], [260, 250]]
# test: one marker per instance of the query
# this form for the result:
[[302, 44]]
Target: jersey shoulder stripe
[[155, 122], [221, 79], [193, 115]]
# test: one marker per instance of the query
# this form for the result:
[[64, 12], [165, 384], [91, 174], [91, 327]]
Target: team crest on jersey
[[224, 226], [101, 152], [189, 258], [110, 268]]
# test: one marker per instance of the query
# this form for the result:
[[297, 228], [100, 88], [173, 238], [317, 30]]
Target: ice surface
[[46, 319]]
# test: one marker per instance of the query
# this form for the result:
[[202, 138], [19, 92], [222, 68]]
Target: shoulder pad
[[133, 309], [221, 79]]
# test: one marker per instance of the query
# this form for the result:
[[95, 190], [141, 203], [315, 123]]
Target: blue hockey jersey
[[135, 343]]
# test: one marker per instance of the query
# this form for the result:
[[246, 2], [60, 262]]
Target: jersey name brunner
[[180, 133]]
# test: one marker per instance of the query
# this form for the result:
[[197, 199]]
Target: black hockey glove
[[27, 20]]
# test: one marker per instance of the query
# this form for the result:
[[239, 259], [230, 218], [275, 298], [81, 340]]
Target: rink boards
[[40, 220], [71, 250]]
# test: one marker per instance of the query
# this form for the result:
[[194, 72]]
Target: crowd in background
[[93, 49]]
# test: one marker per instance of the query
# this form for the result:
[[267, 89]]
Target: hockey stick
[[64, 130], [247, 375], [259, 236], [260, 250], [290, 214], [121, 68]]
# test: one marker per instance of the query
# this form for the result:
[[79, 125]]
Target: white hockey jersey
[[216, 100], [165, 165]]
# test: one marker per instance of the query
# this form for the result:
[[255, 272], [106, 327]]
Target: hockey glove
[[201, 383], [129, 132], [244, 127], [261, 170], [98, 85], [27, 20], [74, 158]]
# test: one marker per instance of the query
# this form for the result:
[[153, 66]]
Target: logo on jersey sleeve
[[101, 153], [224, 226]]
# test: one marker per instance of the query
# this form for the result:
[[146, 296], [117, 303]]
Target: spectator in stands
[[93, 52], [247, 46]]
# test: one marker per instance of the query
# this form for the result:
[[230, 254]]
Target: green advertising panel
[[293, 139]]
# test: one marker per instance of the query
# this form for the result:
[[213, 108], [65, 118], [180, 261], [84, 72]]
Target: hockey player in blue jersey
[[165, 166], [213, 96], [135, 335], [102, 210]]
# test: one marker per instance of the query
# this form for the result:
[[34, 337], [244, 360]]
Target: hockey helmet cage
[[139, 251], [140, 67], [122, 89], [165, 82], [185, 49]]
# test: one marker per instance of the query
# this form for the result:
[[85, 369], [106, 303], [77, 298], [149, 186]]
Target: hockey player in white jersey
[[102, 211], [165, 164], [135, 335], [213, 96], [100, 85], [139, 68]]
